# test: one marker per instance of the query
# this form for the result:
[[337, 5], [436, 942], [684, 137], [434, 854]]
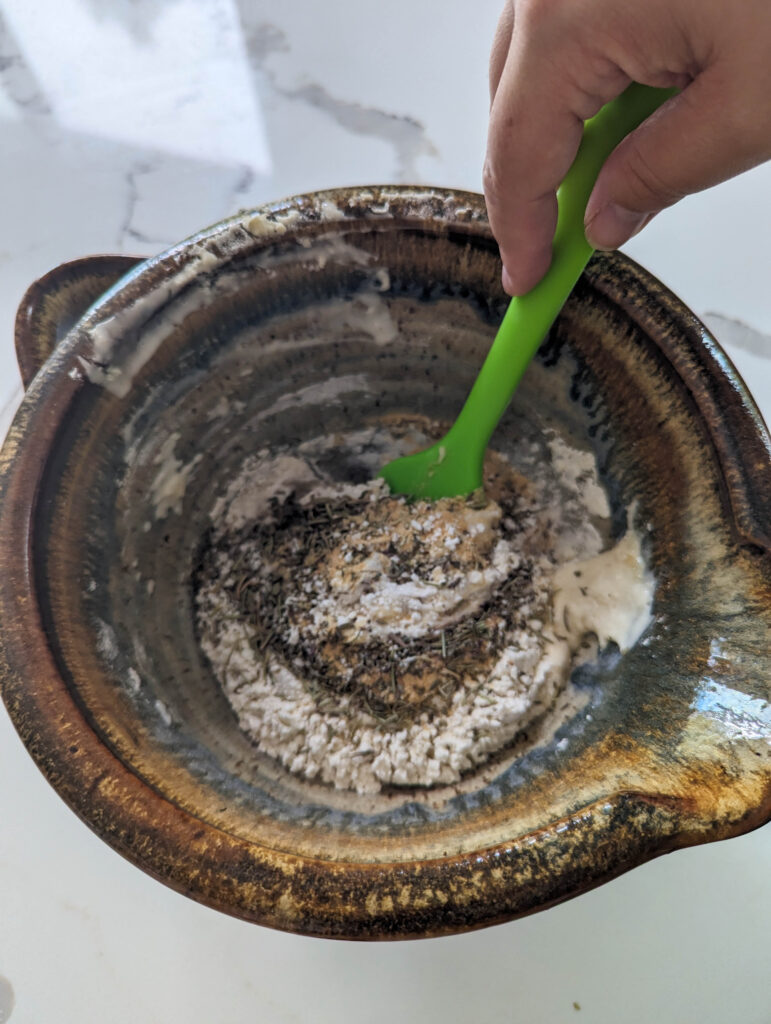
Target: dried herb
[[276, 567]]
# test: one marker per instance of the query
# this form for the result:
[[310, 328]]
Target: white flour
[[357, 593]]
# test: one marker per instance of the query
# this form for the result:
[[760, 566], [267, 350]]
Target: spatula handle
[[530, 316]]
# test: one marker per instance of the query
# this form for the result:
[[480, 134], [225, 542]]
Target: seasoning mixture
[[365, 640]]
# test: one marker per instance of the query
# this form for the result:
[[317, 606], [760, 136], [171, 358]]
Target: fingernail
[[508, 284], [613, 225]]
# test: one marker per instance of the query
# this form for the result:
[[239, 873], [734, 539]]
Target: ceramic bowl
[[220, 346]]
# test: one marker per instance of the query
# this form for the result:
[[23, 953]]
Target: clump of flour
[[364, 641]]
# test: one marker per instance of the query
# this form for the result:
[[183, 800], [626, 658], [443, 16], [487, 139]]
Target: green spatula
[[453, 466]]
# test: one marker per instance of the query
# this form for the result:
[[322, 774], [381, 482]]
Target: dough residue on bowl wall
[[365, 641]]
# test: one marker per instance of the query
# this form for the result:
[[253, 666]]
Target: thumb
[[698, 138]]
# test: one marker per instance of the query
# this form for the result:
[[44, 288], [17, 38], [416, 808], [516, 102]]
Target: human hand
[[554, 63]]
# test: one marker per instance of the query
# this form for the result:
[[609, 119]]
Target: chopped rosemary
[[278, 563]]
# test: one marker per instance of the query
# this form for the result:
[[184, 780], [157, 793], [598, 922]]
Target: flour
[[105, 334], [356, 592], [167, 488], [578, 471], [610, 595], [366, 642]]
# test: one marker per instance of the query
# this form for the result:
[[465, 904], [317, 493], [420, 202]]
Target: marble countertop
[[128, 124]]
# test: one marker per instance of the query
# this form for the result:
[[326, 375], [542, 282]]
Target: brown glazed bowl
[[221, 346]]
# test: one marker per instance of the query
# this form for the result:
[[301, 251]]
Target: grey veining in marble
[[406, 134], [17, 78], [739, 335]]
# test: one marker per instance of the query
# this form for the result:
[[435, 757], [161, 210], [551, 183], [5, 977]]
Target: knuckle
[[647, 187], [492, 185], [543, 14]]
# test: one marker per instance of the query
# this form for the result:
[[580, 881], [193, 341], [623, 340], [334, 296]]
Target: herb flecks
[[285, 566]]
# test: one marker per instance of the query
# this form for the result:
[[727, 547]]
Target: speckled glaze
[[100, 667]]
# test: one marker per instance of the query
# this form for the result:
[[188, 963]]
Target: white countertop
[[125, 125]]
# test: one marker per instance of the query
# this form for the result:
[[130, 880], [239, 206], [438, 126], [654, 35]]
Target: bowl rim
[[290, 892]]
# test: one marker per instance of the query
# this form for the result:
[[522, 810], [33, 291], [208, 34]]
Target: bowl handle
[[56, 301]]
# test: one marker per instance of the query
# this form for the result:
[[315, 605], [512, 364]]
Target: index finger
[[536, 121]]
